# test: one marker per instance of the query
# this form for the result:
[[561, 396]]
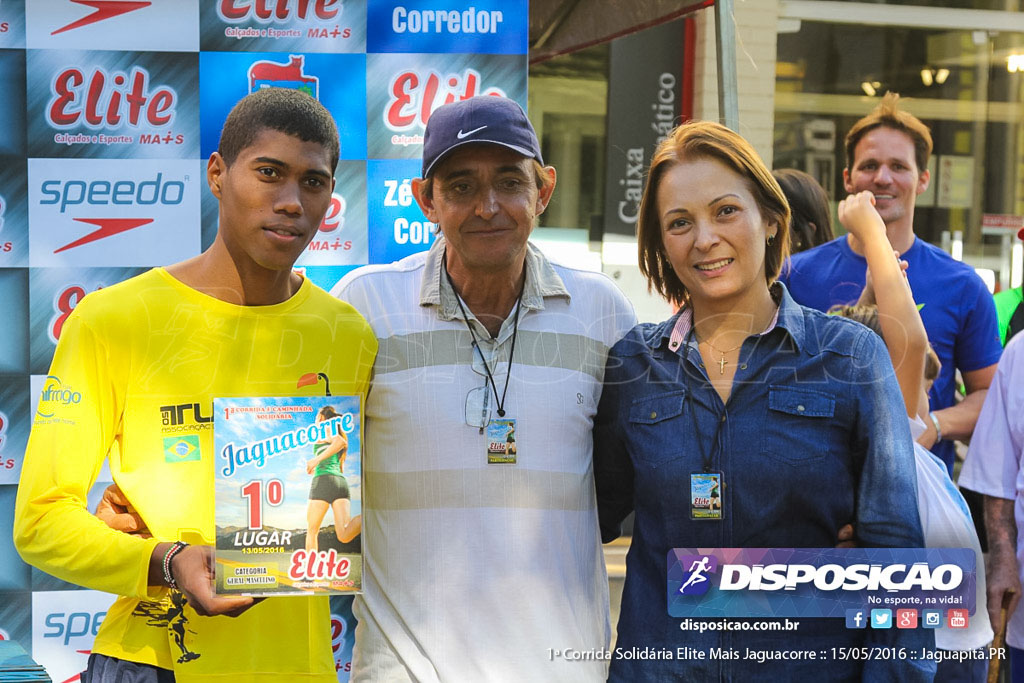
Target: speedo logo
[[156, 191]]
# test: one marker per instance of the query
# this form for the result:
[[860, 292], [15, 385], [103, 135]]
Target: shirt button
[[800, 409], [743, 367], [675, 345], [723, 418], [653, 415]]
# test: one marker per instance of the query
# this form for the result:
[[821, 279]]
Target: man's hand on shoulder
[[117, 512]]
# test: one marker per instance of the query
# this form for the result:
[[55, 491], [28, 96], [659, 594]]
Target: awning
[[561, 26]]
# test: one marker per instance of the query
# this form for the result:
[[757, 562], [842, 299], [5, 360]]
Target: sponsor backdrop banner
[[110, 111]]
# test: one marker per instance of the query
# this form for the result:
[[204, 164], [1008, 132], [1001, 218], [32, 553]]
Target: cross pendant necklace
[[722, 362]]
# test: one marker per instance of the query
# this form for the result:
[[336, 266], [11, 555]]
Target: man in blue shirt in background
[[887, 153]]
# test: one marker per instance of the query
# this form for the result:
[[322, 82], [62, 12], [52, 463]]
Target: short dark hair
[[707, 140], [289, 111], [810, 222], [889, 115]]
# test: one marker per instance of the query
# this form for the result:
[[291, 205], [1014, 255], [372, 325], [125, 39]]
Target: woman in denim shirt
[[797, 413]]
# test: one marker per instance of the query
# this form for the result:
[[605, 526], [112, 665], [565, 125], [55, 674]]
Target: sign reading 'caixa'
[[816, 582], [480, 26]]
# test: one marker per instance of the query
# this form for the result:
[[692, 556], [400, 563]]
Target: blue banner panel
[[403, 90], [16, 612], [325, 277], [13, 213], [12, 104], [12, 25], [283, 25], [118, 105], [53, 293], [342, 238], [337, 81], [14, 337], [15, 423], [397, 225], [817, 582], [14, 574], [483, 27], [343, 631]]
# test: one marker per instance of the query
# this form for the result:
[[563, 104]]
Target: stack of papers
[[16, 665]]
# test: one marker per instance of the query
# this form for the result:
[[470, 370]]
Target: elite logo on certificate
[[288, 495]]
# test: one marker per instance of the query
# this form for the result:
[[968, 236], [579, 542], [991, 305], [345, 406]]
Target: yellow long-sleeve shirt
[[136, 370]]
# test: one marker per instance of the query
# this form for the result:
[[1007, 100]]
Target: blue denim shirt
[[814, 436]]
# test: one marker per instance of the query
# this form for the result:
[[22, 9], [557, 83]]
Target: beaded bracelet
[[168, 556]]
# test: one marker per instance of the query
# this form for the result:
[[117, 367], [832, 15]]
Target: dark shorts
[[104, 669], [328, 488]]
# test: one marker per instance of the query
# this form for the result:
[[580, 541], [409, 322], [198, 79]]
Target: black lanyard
[[707, 459], [476, 346]]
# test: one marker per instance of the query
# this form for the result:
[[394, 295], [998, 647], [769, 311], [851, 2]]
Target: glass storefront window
[[966, 85]]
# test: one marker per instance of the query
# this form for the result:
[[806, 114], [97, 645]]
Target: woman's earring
[[771, 240]]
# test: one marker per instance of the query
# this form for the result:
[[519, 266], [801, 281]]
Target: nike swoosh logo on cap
[[460, 135]]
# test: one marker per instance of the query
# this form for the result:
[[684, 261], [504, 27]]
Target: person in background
[[795, 415], [810, 221], [887, 154], [945, 517], [995, 468], [1010, 308]]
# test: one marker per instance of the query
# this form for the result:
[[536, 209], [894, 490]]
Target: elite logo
[[102, 9], [266, 11], [696, 580], [414, 95], [101, 100], [267, 74]]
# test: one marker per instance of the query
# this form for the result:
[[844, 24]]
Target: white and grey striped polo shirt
[[477, 571]]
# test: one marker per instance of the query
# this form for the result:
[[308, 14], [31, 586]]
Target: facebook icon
[[855, 618]]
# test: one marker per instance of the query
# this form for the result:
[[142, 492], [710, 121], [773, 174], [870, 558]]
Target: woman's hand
[[858, 215], [311, 465]]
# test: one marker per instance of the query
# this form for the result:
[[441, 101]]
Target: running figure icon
[[696, 570]]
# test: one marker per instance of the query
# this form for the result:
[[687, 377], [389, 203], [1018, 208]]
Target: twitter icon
[[881, 618]]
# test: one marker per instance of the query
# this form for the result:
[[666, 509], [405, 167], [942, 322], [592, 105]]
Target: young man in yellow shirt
[[146, 357]]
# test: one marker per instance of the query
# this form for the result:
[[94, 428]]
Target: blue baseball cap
[[484, 118]]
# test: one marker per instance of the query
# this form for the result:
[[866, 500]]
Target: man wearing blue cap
[[483, 562]]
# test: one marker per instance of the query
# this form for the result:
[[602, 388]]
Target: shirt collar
[[541, 281], [788, 316]]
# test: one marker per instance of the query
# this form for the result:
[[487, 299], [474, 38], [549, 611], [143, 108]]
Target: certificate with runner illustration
[[288, 495]]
